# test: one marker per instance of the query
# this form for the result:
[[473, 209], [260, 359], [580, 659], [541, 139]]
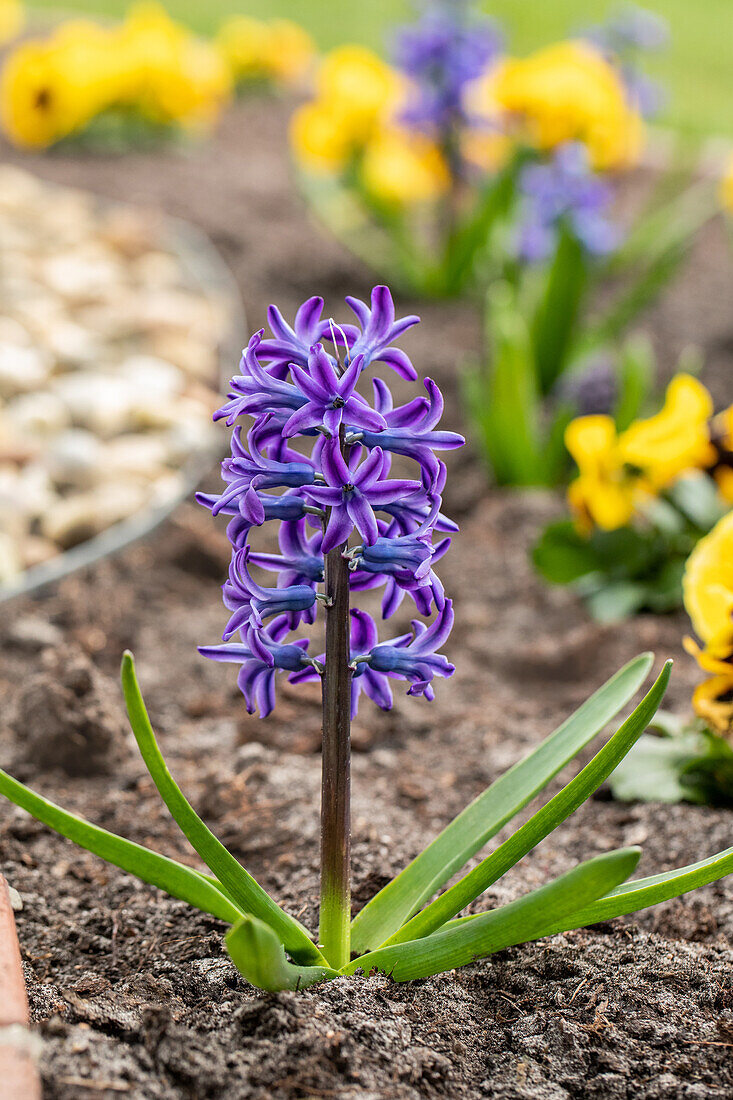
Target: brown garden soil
[[132, 993]]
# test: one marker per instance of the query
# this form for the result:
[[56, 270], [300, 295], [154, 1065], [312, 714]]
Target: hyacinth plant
[[347, 525]]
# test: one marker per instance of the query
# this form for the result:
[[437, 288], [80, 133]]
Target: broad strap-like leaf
[[488, 813], [176, 879], [259, 957], [541, 824], [245, 891], [643, 892], [518, 922]]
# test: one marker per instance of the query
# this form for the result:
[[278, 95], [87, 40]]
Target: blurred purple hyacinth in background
[[335, 494], [564, 191], [592, 391], [447, 48], [628, 32]]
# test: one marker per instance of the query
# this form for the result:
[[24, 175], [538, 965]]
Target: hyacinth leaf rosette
[[342, 514]]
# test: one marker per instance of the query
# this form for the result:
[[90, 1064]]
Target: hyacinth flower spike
[[343, 488]]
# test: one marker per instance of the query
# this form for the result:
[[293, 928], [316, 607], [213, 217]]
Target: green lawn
[[697, 69]]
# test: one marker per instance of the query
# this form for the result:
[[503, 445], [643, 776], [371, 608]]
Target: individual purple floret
[[564, 192], [373, 337], [353, 490], [261, 656], [331, 400], [251, 603], [413, 656], [409, 430], [441, 54], [317, 458]]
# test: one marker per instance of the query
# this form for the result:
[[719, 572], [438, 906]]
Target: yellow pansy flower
[[244, 43], [292, 52], [677, 439], [708, 588], [12, 20], [356, 82], [713, 702], [402, 169], [178, 77], [708, 595], [47, 92], [319, 137], [569, 92], [604, 492]]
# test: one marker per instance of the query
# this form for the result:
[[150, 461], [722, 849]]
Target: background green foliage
[[696, 69]]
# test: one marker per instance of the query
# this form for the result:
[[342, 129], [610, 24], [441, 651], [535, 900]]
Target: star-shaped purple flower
[[330, 397], [352, 491], [410, 428]]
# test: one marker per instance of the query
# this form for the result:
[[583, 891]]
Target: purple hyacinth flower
[[410, 512], [255, 391], [413, 656], [441, 54], [292, 343], [363, 636], [564, 191], [376, 332], [249, 471], [405, 563], [410, 429], [301, 560], [352, 492], [330, 397], [261, 656], [251, 603]]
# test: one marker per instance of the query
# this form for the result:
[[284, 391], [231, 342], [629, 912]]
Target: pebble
[[34, 633], [108, 367]]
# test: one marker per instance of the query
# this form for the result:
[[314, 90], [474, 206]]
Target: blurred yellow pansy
[[569, 92], [677, 439], [708, 588], [12, 20], [604, 492], [400, 168]]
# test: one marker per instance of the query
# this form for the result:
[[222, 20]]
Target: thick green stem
[[335, 920]]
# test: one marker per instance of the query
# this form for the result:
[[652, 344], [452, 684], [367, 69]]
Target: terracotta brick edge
[[18, 1074]]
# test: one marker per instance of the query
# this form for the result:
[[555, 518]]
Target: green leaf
[[652, 772], [616, 601], [260, 958], [176, 879], [503, 399], [636, 379], [541, 824], [553, 328], [518, 922], [561, 554], [239, 884], [644, 892], [488, 813]]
